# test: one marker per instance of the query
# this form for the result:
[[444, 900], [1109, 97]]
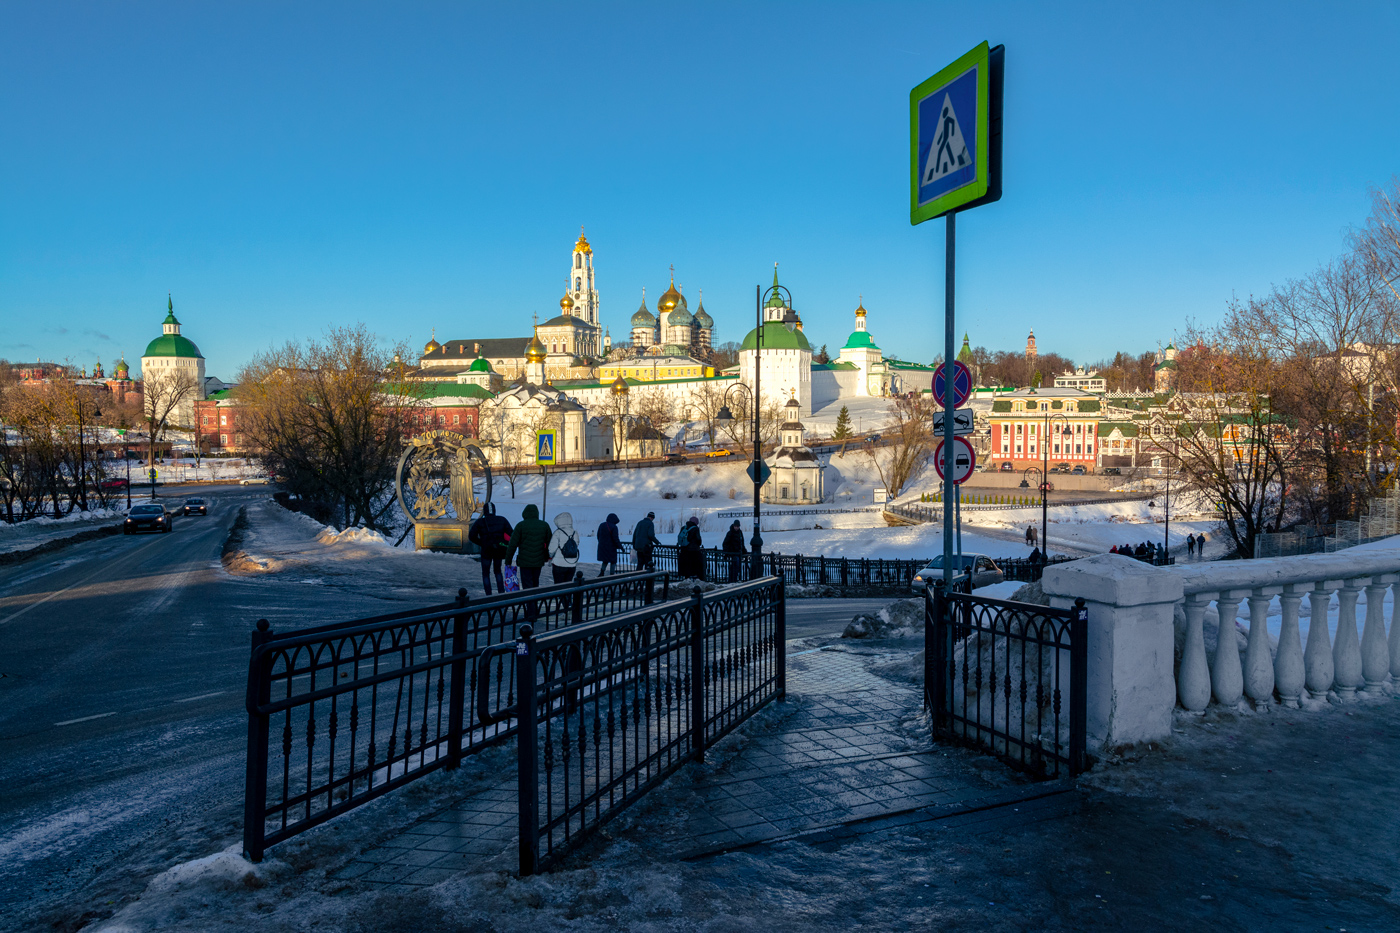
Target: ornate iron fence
[[1008, 678], [368, 705], [610, 709]]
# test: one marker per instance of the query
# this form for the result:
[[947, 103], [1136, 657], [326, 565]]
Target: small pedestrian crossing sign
[[545, 442], [949, 152], [955, 136]]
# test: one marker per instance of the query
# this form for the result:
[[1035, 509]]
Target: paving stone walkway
[[838, 756]]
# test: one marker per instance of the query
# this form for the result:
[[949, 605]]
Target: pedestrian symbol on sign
[[949, 152]]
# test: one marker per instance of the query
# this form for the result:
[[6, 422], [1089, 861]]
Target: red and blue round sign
[[962, 385]]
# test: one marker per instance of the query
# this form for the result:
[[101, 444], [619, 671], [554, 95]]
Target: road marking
[[69, 722], [202, 696]]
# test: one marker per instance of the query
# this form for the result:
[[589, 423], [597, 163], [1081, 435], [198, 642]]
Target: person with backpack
[[643, 540], [563, 548], [733, 548], [529, 546], [490, 534], [609, 543]]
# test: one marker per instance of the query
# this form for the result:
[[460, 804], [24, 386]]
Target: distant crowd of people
[[531, 545], [1148, 550]]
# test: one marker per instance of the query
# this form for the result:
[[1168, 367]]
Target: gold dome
[[432, 346], [582, 245], [670, 298], [860, 307], [566, 304], [534, 350]]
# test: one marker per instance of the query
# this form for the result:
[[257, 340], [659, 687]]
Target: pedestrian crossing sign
[[545, 442], [955, 136]]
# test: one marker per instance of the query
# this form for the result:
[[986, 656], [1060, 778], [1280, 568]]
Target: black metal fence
[[365, 706], [1009, 678], [608, 710], [865, 573]]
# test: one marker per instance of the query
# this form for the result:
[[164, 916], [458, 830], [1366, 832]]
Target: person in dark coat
[[733, 547], [490, 533], [643, 540], [1190, 545], [529, 546], [694, 557], [609, 543]]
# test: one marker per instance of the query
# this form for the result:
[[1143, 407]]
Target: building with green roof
[[172, 372]]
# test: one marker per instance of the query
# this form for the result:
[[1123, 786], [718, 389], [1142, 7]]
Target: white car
[[254, 481], [985, 572]]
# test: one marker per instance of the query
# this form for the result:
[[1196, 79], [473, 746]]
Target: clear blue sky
[[283, 167]]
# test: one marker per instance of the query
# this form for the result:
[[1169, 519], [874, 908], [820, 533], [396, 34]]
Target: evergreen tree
[[843, 424]]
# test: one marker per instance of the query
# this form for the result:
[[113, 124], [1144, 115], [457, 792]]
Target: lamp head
[[725, 417], [790, 320]]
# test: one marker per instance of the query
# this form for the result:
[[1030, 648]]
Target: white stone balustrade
[[1131, 607]]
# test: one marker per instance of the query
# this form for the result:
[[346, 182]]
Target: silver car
[[985, 572]]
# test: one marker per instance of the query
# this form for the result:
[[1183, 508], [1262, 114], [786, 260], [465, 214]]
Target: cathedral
[[673, 330]]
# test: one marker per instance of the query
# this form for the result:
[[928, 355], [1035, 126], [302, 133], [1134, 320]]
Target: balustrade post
[[697, 675], [1258, 666], [1346, 650], [1394, 632], [1375, 656], [1193, 679], [1317, 656], [527, 752], [1227, 675], [1289, 672]]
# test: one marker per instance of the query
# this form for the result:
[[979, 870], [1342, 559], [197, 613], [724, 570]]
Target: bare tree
[[163, 395], [911, 443], [332, 417]]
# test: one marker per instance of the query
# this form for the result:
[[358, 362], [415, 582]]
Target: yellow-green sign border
[[979, 58]]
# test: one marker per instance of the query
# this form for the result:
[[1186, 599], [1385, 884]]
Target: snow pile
[[46, 521], [330, 536], [897, 620]]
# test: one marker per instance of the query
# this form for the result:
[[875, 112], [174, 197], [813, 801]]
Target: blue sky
[[281, 168]]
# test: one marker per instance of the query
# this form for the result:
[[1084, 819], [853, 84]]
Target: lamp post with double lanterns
[[1044, 490], [725, 417]]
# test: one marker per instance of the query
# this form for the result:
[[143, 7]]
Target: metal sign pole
[[950, 457]]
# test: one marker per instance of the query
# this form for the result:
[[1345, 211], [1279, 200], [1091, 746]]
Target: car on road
[[114, 484], [985, 572], [1112, 471], [254, 481], [1078, 470], [717, 452], [1008, 467], [195, 507], [675, 456], [873, 439], [148, 516]]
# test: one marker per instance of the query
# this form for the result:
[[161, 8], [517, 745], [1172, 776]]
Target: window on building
[[783, 492], [223, 439], [223, 419], [456, 419]]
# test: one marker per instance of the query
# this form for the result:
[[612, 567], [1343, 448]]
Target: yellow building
[[655, 369]]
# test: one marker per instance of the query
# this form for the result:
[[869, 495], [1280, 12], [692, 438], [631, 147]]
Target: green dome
[[777, 337], [479, 365], [643, 318], [859, 340], [702, 317], [679, 317], [173, 345]]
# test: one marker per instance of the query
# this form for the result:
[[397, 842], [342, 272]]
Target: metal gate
[[1008, 678]]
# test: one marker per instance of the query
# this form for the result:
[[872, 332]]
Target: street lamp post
[[126, 458], [1045, 480], [1044, 491], [726, 417]]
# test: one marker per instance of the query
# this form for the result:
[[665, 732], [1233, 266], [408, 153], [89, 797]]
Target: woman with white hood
[[563, 548]]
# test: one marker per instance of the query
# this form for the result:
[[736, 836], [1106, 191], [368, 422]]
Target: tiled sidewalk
[[837, 755]]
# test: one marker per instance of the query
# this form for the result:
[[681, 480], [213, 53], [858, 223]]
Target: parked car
[[195, 507], [1112, 471], [675, 456], [985, 572], [148, 516], [1078, 470], [717, 452], [1008, 467], [253, 481], [114, 484], [873, 439]]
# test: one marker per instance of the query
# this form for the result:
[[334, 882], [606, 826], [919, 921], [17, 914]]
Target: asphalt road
[[122, 728]]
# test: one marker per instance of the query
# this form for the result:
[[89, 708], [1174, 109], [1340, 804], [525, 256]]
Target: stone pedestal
[[1131, 684], [448, 535]]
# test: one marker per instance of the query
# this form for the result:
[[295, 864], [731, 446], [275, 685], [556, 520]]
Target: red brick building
[[1024, 422]]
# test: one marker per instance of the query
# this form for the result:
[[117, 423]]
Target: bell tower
[[583, 291]]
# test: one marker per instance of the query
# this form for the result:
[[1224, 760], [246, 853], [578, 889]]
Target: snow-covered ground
[[37, 532]]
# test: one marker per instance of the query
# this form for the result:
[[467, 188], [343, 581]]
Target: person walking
[[643, 540], [733, 547], [609, 543], [529, 549], [490, 533], [563, 548], [1030, 535], [1190, 545], [694, 557]]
